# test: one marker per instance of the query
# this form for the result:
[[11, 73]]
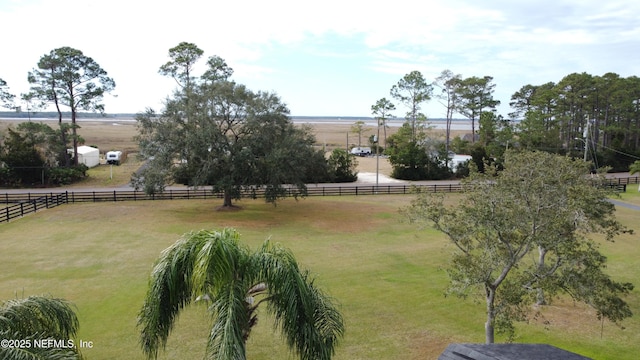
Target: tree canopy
[[449, 85], [475, 94], [381, 110], [6, 98], [221, 134], [582, 111], [523, 235], [67, 77], [413, 90], [180, 67], [213, 266]]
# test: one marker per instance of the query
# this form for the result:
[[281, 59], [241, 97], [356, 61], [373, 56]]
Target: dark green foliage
[[31, 155], [413, 90], [67, 77], [67, 175], [318, 169], [183, 57], [381, 110], [411, 160], [218, 133], [342, 166], [580, 109], [473, 96], [6, 98], [24, 162]]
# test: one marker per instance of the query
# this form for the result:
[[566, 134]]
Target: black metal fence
[[20, 204]]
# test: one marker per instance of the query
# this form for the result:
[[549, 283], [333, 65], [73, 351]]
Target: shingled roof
[[507, 352]]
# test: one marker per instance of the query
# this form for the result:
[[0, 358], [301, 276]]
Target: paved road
[[625, 205]]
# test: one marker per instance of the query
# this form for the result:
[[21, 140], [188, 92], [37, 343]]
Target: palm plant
[[212, 265], [37, 318]]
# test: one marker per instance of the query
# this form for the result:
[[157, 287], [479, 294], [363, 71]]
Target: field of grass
[[386, 275], [632, 195]]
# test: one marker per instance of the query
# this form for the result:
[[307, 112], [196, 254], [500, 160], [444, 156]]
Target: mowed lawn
[[386, 275]]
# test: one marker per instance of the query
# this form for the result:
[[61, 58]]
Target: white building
[[87, 155]]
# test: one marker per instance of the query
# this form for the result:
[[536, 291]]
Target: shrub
[[66, 176], [342, 166]]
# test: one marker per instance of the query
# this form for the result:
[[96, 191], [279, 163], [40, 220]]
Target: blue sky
[[326, 58]]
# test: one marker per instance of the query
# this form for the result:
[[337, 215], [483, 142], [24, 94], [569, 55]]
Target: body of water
[[456, 124]]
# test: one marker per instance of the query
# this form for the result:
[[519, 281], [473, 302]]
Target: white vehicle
[[361, 151], [114, 157]]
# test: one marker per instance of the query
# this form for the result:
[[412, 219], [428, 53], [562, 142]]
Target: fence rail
[[21, 204], [31, 205]]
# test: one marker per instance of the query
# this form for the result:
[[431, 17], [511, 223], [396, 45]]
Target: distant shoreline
[[456, 124]]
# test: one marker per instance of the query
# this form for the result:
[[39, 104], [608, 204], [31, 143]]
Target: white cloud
[[342, 47]]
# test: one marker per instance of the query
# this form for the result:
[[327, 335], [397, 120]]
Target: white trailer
[[113, 157], [361, 151]]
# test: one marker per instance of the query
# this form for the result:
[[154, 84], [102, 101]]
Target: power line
[[620, 152]]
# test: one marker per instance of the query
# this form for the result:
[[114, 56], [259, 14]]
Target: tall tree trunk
[[542, 252], [491, 315], [63, 133], [74, 136], [384, 128], [227, 198], [473, 127]]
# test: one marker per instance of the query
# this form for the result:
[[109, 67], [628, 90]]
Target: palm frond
[[212, 265], [44, 315], [219, 261], [305, 315], [170, 290], [228, 334], [33, 352]]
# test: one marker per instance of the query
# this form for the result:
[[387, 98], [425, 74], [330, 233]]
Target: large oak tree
[[218, 133], [524, 236]]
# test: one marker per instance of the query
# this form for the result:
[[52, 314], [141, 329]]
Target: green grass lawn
[[386, 275], [632, 195]]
